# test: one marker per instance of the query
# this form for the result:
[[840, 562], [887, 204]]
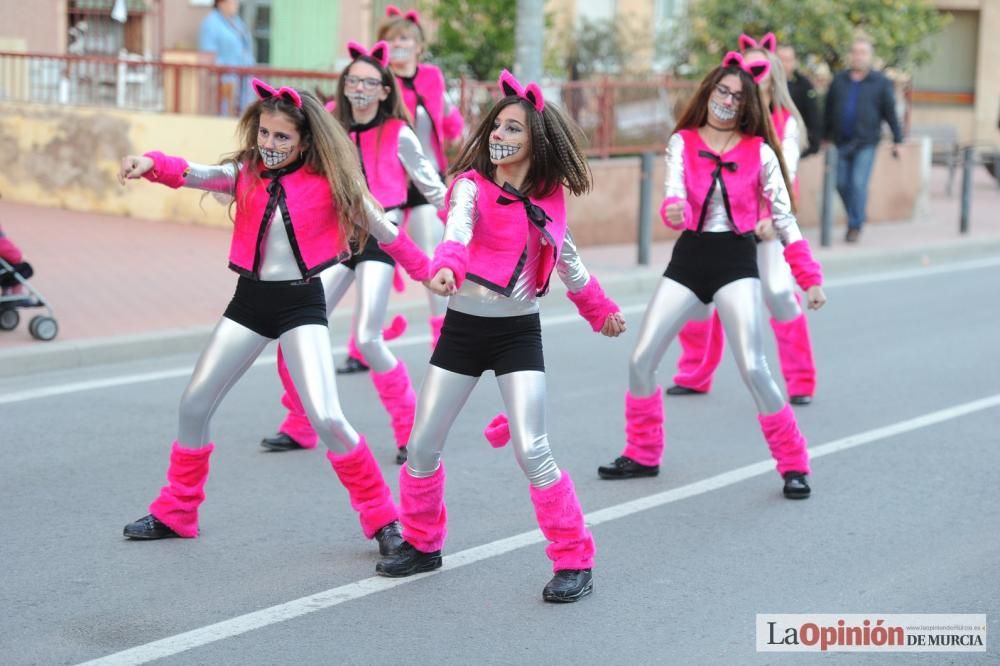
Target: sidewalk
[[123, 288]]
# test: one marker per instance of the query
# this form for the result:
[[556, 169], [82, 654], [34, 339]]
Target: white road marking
[[242, 624], [412, 340]]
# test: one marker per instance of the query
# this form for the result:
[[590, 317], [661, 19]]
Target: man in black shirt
[[804, 96], [858, 101]]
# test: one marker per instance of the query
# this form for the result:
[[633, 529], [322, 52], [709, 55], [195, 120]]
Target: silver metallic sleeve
[[570, 267], [219, 178], [422, 172], [790, 147], [773, 186], [462, 212], [674, 181], [379, 223]]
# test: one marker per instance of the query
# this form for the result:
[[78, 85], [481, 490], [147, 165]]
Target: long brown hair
[[556, 156], [325, 149], [391, 107], [752, 119]]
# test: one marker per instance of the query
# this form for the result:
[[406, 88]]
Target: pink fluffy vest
[[739, 171], [378, 148], [780, 118], [310, 217], [504, 230], [426, 88]]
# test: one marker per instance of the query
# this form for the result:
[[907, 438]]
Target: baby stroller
[[41, 327]]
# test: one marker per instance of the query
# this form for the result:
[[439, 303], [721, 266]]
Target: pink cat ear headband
[[265, 91], [757, 69], [530, 93], [379, 52], [768, 42], [412, 16]]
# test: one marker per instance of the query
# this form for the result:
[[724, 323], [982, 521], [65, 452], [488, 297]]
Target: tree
[[821, 28], [481, 52]]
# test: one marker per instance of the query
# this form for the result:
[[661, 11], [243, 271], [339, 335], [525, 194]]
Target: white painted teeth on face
[[360, 100], [723, 113], [501, 151], [400, 53], [272, 158]]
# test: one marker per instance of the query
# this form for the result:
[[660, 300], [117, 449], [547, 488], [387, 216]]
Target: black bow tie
[[719, 164], [536, 214]]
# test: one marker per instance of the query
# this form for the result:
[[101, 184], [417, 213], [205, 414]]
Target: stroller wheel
[[9, 319], [43, 328]]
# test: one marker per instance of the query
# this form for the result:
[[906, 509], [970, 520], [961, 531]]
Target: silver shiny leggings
[[374, 280], [442, 397], [427, 230], [776, 281], [232, 349], [673, 305]]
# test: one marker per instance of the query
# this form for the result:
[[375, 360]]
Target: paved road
[[904, 516]]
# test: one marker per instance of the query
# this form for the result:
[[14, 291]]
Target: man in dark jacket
[[803, 96], [858, 101]]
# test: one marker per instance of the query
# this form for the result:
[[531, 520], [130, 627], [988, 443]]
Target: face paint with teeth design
[[723, 113], [399, 53], [501, 151], [359, 100], [272, 158]]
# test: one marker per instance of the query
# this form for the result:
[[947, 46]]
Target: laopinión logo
[[877, 632]]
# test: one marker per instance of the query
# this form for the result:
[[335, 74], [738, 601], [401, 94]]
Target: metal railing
[[618, 117]]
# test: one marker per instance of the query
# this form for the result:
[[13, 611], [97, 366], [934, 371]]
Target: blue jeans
[[854, 169]]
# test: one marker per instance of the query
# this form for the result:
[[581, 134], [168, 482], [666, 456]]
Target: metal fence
[[618, 117]]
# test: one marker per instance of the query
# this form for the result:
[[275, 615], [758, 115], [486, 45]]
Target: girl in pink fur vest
[[702, 341], [506, 232], [436, 122], [369, 107], [724, 183], [299, 202]]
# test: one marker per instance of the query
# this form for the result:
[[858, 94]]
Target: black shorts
[[706, 262], [272, 308], [414, 198], [371, 252], [470, 345]]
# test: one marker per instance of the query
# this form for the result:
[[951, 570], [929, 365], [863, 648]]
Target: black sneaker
[[801, 399], [280, 442], [677, 389], [796, 486], [352, 365], [148, 528], [401, 455], [389, 538], [569, 585], [625, 468], [408, 561]]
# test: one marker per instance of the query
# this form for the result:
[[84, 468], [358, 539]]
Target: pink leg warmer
[[354, 352], [561, 521], [397, 396], [644, 436], [370, 496], [296, 424], [702, 344], [788, 446], [422, 511], [177, 505], [796, 355], [436, 324]]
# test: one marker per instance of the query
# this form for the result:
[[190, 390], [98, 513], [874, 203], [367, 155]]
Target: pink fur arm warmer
[[688, 213], [166, 170], [807, 271], [452, 255], [409, 256], [593, 304], [453, 124]]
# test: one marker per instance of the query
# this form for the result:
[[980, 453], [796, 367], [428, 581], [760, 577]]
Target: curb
[[622, 283]]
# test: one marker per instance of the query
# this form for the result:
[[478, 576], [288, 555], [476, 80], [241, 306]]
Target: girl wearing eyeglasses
[[702, 341], [726, 182], [506, 234], [369, 107]]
